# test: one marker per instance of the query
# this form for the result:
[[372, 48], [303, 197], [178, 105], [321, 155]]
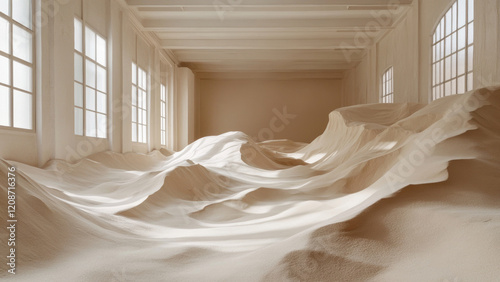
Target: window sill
[[16, 131]]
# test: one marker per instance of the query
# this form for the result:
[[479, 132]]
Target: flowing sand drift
[[228, 209]]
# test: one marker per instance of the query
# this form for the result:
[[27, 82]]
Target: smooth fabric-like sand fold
[[389, 192]]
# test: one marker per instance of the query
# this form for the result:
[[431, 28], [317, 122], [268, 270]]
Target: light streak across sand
[[388, 191]]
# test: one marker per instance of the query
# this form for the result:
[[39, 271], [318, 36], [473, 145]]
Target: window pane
[[461, 12], [470, 83], [134, 96], [454, 18], [101, 102], [22, 77], [470, 12], [441, 72], [139, 115], [101, 50], [139, 133], [438, 31], [454, 42], [144, 100], [78, 121], [163, 91], [461, 38], [461, 84], [139, 78], [144, 117], [144, 134], [448, 22], [454, 65], [4, 70], [78, 35], [447, 71], [89, 43], [134, 73], [90, 126], [447, 50], [134, 114], [101, 126], [78, 94], [438, 51], [4, 35], [470, 58], [461, 62], [434, 47], [22, 44], [78, 68], [139, 98], [4, 6], [90, 73], [134, 132], [101, 79], [471, 33], [90, 99], [23, 110], [4, 106], [144, 79], [21, 12]]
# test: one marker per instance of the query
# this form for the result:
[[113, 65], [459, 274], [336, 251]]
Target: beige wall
[[487, 46], [408, 49], [186, 107], [267, 108]]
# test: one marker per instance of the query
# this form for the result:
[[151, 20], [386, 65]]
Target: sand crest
[[389, 192]]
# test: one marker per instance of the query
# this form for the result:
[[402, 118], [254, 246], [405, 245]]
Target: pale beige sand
[[228, 209]]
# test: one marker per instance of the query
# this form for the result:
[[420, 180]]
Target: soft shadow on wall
[[265, 109]]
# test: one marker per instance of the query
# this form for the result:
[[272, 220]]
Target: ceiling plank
[[277, 44], [263, 34], [262, 75], [205, 3], [166, 24], [268, 66], [266, 55]]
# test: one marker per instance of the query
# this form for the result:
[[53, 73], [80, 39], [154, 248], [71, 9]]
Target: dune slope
[[389, 192]]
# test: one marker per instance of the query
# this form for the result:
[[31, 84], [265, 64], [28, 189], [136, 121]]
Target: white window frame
[[139, 108], [163, 114], [100, 109], [448, 53], [11, 88], [387, 86]]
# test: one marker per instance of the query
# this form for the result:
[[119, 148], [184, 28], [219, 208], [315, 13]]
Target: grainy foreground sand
[[389, 192]]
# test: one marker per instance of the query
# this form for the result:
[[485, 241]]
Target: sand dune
[[389, 192]]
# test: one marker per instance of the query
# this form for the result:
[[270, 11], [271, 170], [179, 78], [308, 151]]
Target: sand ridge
[[389, 192]]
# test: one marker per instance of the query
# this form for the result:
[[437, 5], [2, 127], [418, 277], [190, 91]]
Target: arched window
[[452, 51]]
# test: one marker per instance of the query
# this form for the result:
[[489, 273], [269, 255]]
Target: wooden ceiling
[[268, 35]]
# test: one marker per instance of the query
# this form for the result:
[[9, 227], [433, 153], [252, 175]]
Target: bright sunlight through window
[[452, 51], [90, 87], [139, 105], [16, 64]]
